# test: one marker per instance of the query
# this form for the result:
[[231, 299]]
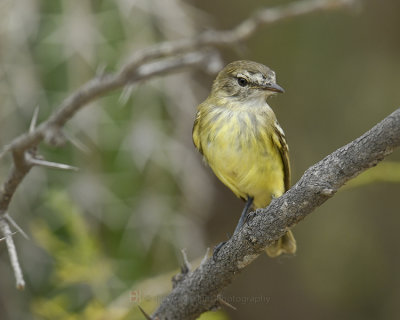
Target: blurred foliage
[[125, 216], [388, 171], [80, 286], [69, 240], [115, 229]]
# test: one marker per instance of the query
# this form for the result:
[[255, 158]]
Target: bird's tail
[[286, 244]]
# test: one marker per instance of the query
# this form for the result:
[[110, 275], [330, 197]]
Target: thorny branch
[[157, 60]]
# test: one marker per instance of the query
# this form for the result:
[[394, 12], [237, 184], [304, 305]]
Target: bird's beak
[[273, 87]]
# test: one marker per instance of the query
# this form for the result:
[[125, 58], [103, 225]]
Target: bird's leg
[[217, 248], [243, 216], [242, 220]]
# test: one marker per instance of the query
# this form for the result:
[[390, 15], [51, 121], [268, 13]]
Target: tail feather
[[286, 244]]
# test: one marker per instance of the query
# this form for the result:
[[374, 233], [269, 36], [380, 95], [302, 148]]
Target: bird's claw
[[217, 248]]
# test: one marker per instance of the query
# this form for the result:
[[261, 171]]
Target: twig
[[16, 226], [199, 290], [12, 252], [18, 172], [147, 317]]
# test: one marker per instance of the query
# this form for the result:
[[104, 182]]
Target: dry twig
[[12, 252]]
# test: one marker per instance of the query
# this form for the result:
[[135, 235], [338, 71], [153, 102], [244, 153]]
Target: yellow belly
[[243, 156]]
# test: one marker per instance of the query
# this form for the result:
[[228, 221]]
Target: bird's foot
[[250, 217], [217, 248]]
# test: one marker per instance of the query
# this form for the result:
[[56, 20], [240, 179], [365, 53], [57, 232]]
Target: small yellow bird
[[239, 137]]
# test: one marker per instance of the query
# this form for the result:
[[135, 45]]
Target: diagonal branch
[[51, 129], [198, 291], [98, 87]]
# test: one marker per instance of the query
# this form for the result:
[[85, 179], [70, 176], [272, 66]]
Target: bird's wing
[[278, 137], [196, 134]]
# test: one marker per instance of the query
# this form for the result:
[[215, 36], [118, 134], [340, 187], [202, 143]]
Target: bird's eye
[[242, 82]]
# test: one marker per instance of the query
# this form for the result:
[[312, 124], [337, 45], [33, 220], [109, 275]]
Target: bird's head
[[245, 81]]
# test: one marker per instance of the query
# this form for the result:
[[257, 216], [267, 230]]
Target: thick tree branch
[[198, 291]]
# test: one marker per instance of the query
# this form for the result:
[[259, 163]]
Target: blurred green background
[[110, 235]]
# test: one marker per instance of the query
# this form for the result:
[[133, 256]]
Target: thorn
[[34, 120], [4, 238], [32, 127], [6, 148], [125, 95], [16, 226], [101, 70], [222, 301], [49, 164], [76, 143], [186, 264], [144, 313], [205, 258], [54, 165]]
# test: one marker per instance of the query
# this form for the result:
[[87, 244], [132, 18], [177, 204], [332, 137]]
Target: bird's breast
[[239, 149], [235, 132]]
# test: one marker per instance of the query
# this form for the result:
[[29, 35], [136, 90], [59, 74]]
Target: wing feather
[[282, 146], [196, 133]]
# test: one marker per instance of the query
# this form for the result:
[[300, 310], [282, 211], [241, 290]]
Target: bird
[[240, 139]]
